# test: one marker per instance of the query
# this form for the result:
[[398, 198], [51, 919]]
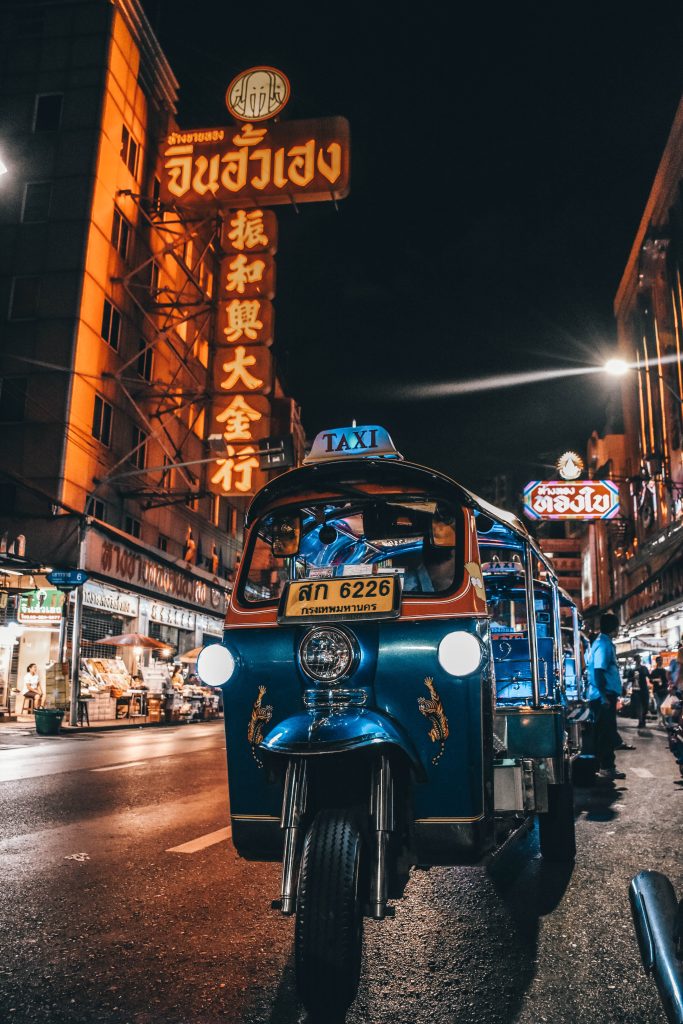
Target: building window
[[145, 360], [132, 526], [167, 474], [101, 421], [129, 151], [192, 502], [23, 303], [156, 198], [139, 456], [162, 542], [111, 324], [36, 205], [216, 509], [13, 399], [47, 115], [96, 508], [120, 234]]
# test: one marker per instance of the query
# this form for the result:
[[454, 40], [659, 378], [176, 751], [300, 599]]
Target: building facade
[[107, 327], [635, 565]]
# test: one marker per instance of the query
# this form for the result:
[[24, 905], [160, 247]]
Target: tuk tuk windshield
[[508, 611], [418, 539]]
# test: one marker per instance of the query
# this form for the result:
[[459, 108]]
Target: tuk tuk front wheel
[[556, 826], [329, 917]]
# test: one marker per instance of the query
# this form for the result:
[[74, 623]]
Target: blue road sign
[[67, 577]]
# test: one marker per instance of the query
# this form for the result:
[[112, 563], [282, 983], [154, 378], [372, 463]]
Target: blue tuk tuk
[[377, 716]]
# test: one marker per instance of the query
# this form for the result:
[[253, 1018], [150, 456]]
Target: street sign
[[578, 499], [67, 577], [277, 452]]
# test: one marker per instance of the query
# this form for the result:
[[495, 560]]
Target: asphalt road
[[104, 920]]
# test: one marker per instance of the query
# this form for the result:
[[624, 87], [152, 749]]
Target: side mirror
[[658, 919], [286, 535]]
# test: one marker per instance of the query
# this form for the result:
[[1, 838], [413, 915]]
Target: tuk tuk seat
[[512, 665]]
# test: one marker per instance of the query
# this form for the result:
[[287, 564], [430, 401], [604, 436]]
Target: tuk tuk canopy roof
[[338, 475]]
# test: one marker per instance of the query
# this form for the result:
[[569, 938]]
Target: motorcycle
[[373, 720]]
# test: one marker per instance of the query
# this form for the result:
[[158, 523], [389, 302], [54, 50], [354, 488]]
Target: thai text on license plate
[[370, 597]]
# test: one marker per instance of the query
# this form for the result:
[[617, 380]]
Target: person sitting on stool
[[32, 688]]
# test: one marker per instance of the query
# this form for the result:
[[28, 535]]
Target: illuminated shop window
[[129, 151], [120, 234], [103, 415], [36, 205], [47, 115], [111, 324]]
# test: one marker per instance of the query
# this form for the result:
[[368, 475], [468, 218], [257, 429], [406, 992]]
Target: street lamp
[[617, 367]]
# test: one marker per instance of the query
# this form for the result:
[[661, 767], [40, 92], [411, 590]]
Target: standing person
[[32, 687], [603, 692], [660, 682], [641, 682]]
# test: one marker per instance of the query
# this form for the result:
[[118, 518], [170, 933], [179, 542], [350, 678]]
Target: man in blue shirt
[[603, 692]]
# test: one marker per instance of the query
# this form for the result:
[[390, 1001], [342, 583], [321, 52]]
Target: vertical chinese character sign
[[238, 172]]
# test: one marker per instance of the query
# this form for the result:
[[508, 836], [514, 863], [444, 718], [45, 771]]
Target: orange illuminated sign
[[243, 421], [292, 161], [248, 231], [243, 369], [257, 94], [248, 276], [249, 321]]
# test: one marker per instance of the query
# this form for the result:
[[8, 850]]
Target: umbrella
[[189, 656], [132, 640]]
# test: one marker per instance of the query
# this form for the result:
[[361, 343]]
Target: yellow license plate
[[366, 597]]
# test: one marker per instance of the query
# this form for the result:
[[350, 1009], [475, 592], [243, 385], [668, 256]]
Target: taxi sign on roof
[[352, 442]]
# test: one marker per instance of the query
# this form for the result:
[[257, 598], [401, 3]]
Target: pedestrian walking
[[603, 693], [660, 683], [641, 685]]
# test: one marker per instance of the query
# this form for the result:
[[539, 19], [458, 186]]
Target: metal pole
[[559, 650], [76, 632], [531, 623], [577, 652], [63, 627]]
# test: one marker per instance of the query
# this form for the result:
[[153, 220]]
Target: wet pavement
[[105, 920]]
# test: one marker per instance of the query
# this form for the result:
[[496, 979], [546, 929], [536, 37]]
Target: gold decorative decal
[[260, 716], [432, 709], [476, 579]]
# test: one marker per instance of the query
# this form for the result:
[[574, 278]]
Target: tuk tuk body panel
[[402, 698], [531, 732]]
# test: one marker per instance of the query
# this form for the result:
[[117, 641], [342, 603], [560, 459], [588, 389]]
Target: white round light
[[215, 665], [460, 654], [617, 367]]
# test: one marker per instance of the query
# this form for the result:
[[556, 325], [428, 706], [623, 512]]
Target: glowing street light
[[3, 167], [617, 367]]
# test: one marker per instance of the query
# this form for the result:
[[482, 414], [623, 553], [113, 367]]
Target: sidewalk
[[23, 724]]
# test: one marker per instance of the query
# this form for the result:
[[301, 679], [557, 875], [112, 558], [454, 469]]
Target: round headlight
[[460, 653], [215, 665], [327, 654]]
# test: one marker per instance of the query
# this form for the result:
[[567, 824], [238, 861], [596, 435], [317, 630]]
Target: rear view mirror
[[286, 534], [390, 522]]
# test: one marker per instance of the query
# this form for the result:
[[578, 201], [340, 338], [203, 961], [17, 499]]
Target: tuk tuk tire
[[556, 826], [329, 919]]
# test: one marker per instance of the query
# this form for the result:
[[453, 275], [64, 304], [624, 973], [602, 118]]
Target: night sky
[[501, 161]]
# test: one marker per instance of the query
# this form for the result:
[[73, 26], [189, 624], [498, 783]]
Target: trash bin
[[48, 721]]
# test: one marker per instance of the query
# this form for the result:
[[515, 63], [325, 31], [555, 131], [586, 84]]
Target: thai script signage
[[288, 162], [111, 600], [116, 561], [170, 616], [580, 499], [42, 607]]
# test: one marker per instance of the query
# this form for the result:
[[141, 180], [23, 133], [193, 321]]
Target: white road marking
[[200, 844], [642, 773], [80, 857], [114, 767]]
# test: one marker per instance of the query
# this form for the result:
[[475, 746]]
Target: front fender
[[312, 733]]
